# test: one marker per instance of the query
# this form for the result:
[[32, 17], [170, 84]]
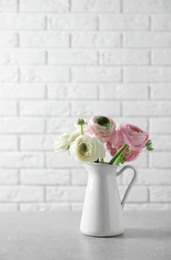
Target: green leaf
[[149, 145]]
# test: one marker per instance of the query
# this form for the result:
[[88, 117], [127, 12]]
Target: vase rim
[[102, 164]]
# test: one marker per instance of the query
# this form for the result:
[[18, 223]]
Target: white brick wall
[[64, 59]]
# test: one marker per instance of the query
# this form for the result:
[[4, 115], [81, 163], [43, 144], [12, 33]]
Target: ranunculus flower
[[87, 149], [131, 135], [101, 126], [63, 141]]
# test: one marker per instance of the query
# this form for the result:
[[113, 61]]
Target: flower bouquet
[[87, 144], [102, 214]]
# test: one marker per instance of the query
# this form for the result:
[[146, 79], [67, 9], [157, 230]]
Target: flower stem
[[101, 160], [81, 122], [82, 132], [114, 160]]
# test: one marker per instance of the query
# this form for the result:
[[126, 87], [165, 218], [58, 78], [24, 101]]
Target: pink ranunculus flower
[[131, 135], [102, 127]]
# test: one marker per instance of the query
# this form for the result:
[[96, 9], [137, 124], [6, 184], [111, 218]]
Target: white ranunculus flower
[[63, 141], [87, 149]]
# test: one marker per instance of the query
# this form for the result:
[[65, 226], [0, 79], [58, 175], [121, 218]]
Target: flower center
[[103, 121], [83, 149]]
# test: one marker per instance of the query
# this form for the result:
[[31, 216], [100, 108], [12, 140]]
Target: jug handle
[[130, 184]]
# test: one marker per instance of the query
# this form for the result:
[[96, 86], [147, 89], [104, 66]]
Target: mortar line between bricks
[[81, 66], [121, 7], [76, 48], [19, 177], [88, 13], [70, 41], [98, 23], [150, 58], [150, 23], [149, 93], [88, 31], [45, 23], [18, 6], [70, 4]]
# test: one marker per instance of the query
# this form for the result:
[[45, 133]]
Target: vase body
[[102, 211], [102, 214]]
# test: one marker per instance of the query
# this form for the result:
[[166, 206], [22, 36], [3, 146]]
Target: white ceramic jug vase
[[102, 214]]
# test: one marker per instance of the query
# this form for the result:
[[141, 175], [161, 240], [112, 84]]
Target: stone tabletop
[[56, 236]]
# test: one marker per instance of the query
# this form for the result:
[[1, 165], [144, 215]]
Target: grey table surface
[[56, 236]]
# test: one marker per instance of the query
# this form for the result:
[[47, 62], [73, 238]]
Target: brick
[[8, 57], [21, 194], [160, 125], [96, 39], [149, 177], [45, 177], [161, 142], [22, 22], [60, 124], [44, 108], [76, 206], [72, 22], [161, 57], [44, 39], [124, 22], [44, 207], [9, 176], [21, 125], [124, 57], [8, 142], [96, 74], [148, 206], [61, 160], [8, 6], [79, 177], [65, 194], [147, 108], [88, 108], [8, 108], [8, 39], [123, 91], [44, 6], [23, 160], [37, 142], [72, 91], [147, 39], [147, 74], [161, 91], [95, 6], [160, 159], [44, 74], [147, 6], [8, 74], [160, 194], [72, 57], [161, 22], [8, 207], [22, 91], [137, 194]]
